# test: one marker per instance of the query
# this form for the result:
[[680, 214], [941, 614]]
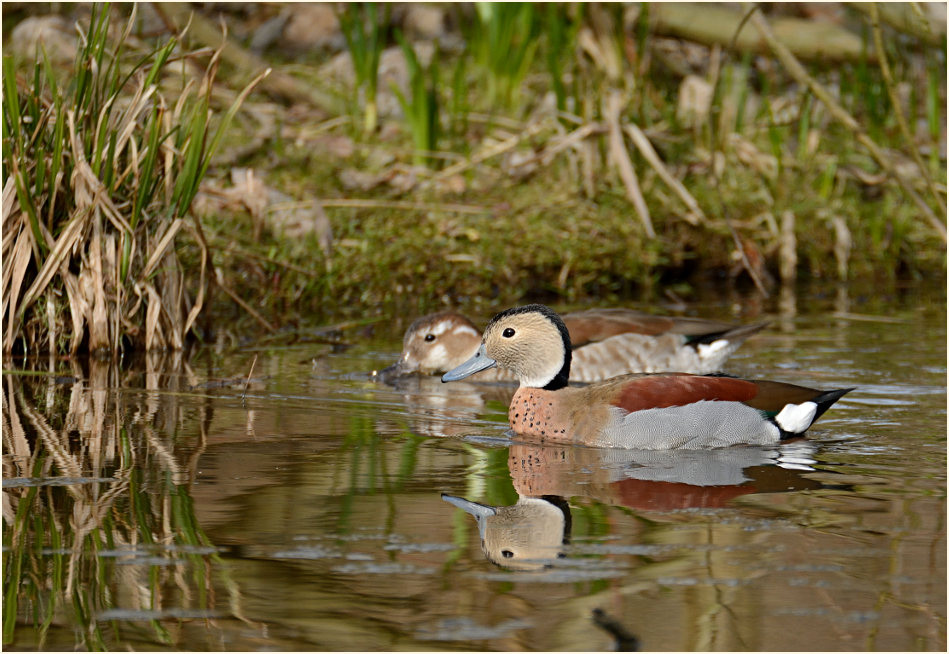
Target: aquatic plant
[[421, 105], [503, 41], [103, 165], [560, 34], [363, 30]]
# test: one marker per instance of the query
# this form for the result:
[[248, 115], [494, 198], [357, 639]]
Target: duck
[[528, 535], [605, 343], [634, 411]]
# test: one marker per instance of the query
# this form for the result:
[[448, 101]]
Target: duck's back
[[625, 353], [593, 325], [611, 342]]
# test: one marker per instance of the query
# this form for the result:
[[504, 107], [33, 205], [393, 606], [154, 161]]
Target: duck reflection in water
[[525, 536], [533, 533], [440, 411]]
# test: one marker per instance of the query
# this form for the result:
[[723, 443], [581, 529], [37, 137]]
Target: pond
[[172, 504]]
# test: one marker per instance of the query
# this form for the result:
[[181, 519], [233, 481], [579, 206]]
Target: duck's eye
[[429, 338], [508, 333], [507, 554]]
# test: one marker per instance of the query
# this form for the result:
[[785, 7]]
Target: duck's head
[[530, 341], [529, 535], [435, 343]]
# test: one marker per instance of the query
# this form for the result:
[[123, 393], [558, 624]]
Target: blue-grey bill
[[480, 361], [475, 509], [481, 512]]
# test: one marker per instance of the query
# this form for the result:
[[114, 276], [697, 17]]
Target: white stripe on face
[[439, 328], [465, 329]]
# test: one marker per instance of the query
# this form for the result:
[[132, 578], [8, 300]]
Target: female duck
[[654, 412], [604, 343]]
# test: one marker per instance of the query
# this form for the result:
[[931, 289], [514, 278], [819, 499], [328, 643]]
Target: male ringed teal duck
[[605, 343], [657, 412], [526, 536]]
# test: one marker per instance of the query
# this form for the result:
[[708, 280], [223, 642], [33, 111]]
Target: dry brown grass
[[103, 165]]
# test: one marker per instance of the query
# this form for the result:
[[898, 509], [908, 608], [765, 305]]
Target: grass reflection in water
[[100, 530]]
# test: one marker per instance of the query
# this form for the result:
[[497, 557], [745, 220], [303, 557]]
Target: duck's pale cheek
[[437, 354]]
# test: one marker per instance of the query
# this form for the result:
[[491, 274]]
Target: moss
[[540, 237]]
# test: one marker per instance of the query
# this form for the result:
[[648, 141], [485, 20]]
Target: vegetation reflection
[[100, 524]]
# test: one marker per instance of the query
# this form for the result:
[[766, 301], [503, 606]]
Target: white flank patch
[[709, 349], [796, 418]]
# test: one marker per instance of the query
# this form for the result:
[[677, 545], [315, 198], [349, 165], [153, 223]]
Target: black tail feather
[[823, 401], [736, 334], [826, 400]]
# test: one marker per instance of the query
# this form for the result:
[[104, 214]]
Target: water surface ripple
[[177, 505]]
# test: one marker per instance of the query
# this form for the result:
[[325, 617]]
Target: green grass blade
[[13, 570], [39, 176], [146, 185], [226, 120], [934, 118], [160, 57], [804, 124], [11, 101], [188, 177], [27, 205], [109, 161]]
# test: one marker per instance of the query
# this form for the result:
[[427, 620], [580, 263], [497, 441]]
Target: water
[[166, 506]]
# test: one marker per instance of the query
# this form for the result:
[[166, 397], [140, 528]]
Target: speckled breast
[[538, 414]]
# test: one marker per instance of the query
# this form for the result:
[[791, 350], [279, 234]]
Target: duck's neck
[[560, 380], [546, 379], [541, 374], [563, 375]]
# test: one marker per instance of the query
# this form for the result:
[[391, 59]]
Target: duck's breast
[[561, 416]]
